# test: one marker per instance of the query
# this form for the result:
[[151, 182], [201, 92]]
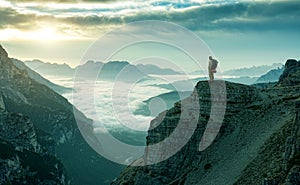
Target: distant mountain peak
[[118, 62], [156, 70], [37, 60], [93, 62], [47, 68], [252, 71], [271, 76]]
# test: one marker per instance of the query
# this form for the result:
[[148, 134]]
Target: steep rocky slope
[[53, 116], [23, 158], [260, 126]]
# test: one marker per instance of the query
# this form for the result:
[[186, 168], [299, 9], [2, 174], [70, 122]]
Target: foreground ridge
[[260, 126]]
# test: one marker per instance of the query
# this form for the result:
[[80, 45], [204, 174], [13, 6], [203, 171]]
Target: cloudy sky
[[239, 33]]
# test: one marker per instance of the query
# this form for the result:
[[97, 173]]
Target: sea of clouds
[[111, 106], [113, 103]]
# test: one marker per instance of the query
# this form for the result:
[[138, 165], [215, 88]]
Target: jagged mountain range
[[254, 71], [33, 115], [91, 68], [271, 76], [155, 70], [267, 77], [50, 69], [37, 77], [258, 141], [248, 75]]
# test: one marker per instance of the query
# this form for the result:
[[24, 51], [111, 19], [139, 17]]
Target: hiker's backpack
[[214, 64]]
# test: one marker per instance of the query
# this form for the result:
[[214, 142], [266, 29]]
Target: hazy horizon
[[116, 60]]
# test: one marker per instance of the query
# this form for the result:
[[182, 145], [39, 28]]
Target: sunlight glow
[[46, 33]]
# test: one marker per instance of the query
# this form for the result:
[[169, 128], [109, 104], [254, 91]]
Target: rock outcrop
[[19, 131], [2, 105], [55, 128], [23, 158], [290, 75], [258, 128]]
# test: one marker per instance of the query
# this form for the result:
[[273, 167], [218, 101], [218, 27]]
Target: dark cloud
[[93, 20], [10, 18], [259, 16], [65, 1], [241, 16]]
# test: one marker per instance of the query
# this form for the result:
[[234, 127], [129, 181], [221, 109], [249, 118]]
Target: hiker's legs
[[211, 75]]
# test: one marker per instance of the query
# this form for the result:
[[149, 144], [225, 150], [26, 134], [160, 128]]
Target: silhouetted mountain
[[117, 70], [258, 141], [37, 77], [113, 70], [252, 71], [271, 76], [154, 70], [89, 69], [54, 119], [50, 69]]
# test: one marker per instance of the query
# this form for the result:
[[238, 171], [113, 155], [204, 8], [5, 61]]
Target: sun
[[46, 34]]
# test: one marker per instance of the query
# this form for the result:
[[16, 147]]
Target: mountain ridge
[[271, 76], [52, 68], [252, 71], [155, 70], [93, 67]]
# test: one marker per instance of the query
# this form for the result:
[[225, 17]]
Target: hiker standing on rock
[[212, 65]]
